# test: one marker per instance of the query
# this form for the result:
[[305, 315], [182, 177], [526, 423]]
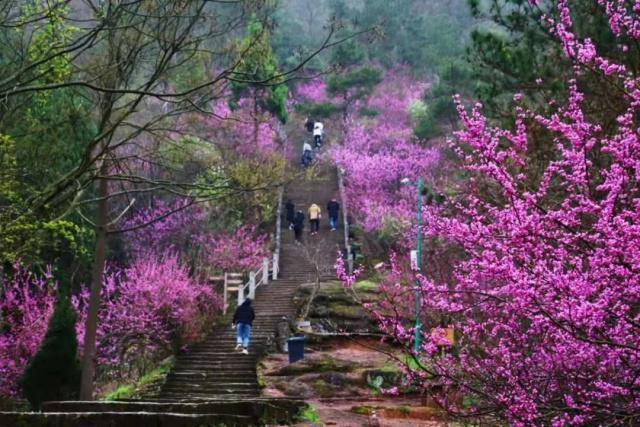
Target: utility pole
[[417, 335]]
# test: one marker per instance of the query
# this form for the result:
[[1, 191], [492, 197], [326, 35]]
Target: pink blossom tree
[[240, 251], [313, 90], [378, 152], [146, 308], [545, 290], [242, 131], [26, 304]]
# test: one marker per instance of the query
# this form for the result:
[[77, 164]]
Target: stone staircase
[[213, 368]]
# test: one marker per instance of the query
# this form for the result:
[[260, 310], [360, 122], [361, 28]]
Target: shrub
[[54, 372]]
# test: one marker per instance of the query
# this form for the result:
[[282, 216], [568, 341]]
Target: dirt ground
[[388, 412], [335, 378]]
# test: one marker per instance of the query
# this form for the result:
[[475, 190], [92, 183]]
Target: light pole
[[417, 339]]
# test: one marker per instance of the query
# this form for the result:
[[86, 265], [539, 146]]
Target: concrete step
[[235, 405], [211, 386], [122, 419]]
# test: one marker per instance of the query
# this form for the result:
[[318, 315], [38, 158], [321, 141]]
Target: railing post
[[225, 302], [240, 295], [276, 265], [265, 271], [252, 285], [276, 249]]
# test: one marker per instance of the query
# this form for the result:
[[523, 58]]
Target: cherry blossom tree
[[243, 250], [147, 308], [379, 152], [544, 291], [26, 304]]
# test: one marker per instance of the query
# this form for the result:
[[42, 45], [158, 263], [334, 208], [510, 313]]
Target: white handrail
[[272, 264]]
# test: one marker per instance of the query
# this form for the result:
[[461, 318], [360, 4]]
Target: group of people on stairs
[[244, 314], [296, 219], [317, 130]]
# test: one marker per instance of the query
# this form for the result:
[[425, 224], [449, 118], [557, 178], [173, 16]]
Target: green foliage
[[348, 54], [125, 391], [375, 382], [54, 373], [55, 31], [257, 73], [511, 50], [366, 286], [354, 84], [415, 33], [43, 138], [362, 410], [368, 112], [23, 234], [150, 379], [309, 414], [191, 73], [256, 201], [322, 110], [454, 77]]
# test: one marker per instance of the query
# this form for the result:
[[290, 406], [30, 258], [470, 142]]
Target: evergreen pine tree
[[54, 372]]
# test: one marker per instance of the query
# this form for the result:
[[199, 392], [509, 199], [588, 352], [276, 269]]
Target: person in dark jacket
[[308, 125], [290, 210], [298, 226], [243, 319], [333, 208]]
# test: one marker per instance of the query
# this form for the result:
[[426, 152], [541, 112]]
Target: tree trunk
[[256, 119], [91, 325]]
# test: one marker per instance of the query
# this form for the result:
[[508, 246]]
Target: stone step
[[210, 385], [194, 396], [224, 405], [209, 391], [122, 419], [240, 376], [197, 359], [198, 365]]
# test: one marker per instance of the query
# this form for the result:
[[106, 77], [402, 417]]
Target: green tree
[[513, 52], [353, 86], [258, 76], [54, 372], [439, 114]]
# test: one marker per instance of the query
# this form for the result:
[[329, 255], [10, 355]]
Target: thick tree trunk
[[91, 326]]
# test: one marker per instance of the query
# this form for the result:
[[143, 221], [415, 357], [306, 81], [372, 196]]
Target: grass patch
[[346, 311], [309, 414], [322, 388], [362, 410], [135, 388], [125, 391], [410, 362], [366, 286]]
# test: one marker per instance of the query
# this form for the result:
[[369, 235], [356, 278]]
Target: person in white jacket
[[318, 129]]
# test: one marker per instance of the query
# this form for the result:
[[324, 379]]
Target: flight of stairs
[[214, 368]]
